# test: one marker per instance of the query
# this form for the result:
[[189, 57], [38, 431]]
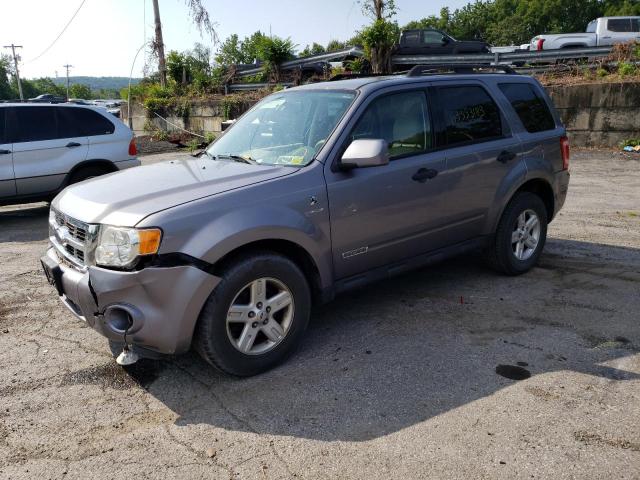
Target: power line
[[58, 37]]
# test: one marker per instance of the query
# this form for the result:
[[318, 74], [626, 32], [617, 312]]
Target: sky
[[105, 35]]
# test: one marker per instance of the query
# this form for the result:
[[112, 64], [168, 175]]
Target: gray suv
[[315, 191]]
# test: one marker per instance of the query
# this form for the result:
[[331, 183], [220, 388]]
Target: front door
[[384, 214]]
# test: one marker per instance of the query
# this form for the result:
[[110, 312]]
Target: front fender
[[241, 226]]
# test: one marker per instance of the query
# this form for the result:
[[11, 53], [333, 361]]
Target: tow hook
[[127, 356]]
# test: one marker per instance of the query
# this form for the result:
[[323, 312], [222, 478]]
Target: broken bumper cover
[[157, 307]]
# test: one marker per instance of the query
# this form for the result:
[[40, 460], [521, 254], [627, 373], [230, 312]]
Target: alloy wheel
[[526, 235], [260, 316]]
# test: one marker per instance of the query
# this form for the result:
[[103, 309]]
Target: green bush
[[602, 72], [626, 69], [209, 137]]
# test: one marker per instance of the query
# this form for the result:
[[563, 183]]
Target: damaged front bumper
[[157, 308]]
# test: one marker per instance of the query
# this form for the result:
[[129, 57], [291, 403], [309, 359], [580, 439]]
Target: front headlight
[[121, 246]]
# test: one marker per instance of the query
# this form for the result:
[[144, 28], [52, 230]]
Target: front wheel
[[255, 317], [520, 236]]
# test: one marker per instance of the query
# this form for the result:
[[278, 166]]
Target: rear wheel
[[255, 317], [520, 236]]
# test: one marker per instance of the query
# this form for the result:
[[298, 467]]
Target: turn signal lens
[[149, 241]]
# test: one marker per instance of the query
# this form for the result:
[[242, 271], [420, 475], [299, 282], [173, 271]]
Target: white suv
[[44, 148]]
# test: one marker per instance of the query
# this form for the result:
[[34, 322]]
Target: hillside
[[98, 83]]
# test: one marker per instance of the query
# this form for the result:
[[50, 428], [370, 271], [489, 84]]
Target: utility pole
[[68, 67], [15, 64], [159, 45]]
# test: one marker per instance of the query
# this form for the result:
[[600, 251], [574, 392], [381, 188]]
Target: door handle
[[506, 156], [72, 144], [424, 174], [5, 152]]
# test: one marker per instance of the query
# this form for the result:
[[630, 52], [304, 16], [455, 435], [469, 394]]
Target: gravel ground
[[452, 371]]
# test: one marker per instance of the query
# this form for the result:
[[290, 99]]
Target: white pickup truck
[[600, 32]]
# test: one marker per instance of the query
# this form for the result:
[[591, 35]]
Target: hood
[[124, 198], [475, 44]]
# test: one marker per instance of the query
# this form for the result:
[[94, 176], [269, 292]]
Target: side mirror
[[364, 153], [444, 40]]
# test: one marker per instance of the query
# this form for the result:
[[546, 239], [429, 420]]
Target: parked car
[[430, 41], [600, 32], [48, 98], [315, 191], [44, 148]]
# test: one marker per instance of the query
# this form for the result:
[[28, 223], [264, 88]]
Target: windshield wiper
[[237, 158]]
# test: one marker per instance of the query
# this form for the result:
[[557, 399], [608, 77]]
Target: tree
[[380, 37], [78, 90], [6, 91], [273, 51], [315, 49], [199, 15], [230, 52]]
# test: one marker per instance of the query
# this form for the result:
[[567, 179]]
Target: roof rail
[[420, 70], [347, 76]]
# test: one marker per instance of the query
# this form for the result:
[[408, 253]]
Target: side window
[[401, 119], [635, 24], [92, 123], [470, 115], [35, 124], [532, 110], [619, 25], [432, 37], [412, 38]]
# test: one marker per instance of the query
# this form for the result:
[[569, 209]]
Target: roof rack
[[420, 70]]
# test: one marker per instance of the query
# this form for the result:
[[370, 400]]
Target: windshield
[[287, 128]]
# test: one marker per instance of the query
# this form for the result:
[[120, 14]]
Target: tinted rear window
[[470, 115], [35, 124], [530, 107], [82, 122]]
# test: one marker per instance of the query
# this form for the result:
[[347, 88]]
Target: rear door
[[48, 144], [7, 177], [620, 30], [481, 155]]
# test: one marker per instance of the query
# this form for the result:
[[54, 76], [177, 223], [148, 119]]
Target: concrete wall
[[599, 114], [596, 115], [204, 116]]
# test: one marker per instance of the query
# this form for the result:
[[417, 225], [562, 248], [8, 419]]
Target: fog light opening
[[120, 319]]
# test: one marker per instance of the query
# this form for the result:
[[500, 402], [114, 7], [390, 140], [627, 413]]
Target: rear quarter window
[[531, 108], [470, 115], [92, 123]]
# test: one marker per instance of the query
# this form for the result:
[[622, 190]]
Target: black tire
[[211, 338], [85, 173], [500, 254]]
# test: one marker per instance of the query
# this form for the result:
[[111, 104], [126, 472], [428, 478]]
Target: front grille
[[70, 237], [76, 230]]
